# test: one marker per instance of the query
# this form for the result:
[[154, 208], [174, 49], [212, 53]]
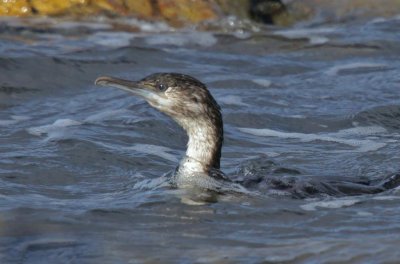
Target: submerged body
[[188, 101]]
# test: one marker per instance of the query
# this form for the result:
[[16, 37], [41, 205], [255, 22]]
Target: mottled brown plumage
[[190, 104], [193, 105]]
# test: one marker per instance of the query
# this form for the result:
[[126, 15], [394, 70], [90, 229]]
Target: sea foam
[[336, 70], [333, 204], [53, 129], [341, 137]]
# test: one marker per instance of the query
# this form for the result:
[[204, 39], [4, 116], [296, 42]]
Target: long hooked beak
[[150, 95], [126, 85]]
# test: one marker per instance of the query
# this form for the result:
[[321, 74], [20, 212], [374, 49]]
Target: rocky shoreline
[[178, 13]]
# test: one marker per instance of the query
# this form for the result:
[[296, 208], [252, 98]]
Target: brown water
[[82, 168]]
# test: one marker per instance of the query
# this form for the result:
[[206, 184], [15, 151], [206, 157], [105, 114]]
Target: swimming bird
[[188, 101]]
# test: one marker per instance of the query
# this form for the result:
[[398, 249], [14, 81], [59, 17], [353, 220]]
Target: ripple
[[111, 39], [360, 67], [160, 151], [314, 35], [14, 119], [57, 129], [362, 145], [204, 39], [333, 204]]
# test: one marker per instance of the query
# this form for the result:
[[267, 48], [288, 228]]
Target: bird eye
[[161, 87]]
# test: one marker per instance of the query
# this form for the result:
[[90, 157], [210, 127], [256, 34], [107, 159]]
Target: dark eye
[[161, 87]]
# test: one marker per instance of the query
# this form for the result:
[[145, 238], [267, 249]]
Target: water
[[83, 169]]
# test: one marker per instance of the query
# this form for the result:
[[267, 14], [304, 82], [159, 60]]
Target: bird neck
[[204, 146]]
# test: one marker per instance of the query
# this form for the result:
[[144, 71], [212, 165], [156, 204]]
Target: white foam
[[204, 39], [378, 20], [386, 198], [160, 151], [300, 117], [146, 26], [312, 34], [316, 40], [106, 115], [54, 128], [263, 82], [361, 131], [335, 70], [232, 100], [111, 39], [334, 204], [362, 145], [153, 27], [14, 119]]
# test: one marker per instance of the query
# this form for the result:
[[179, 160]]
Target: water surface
[[82, 168]]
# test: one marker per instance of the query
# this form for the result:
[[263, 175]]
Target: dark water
[[81, 167]]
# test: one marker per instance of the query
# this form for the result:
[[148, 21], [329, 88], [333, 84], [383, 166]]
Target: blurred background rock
[[180, 13]]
